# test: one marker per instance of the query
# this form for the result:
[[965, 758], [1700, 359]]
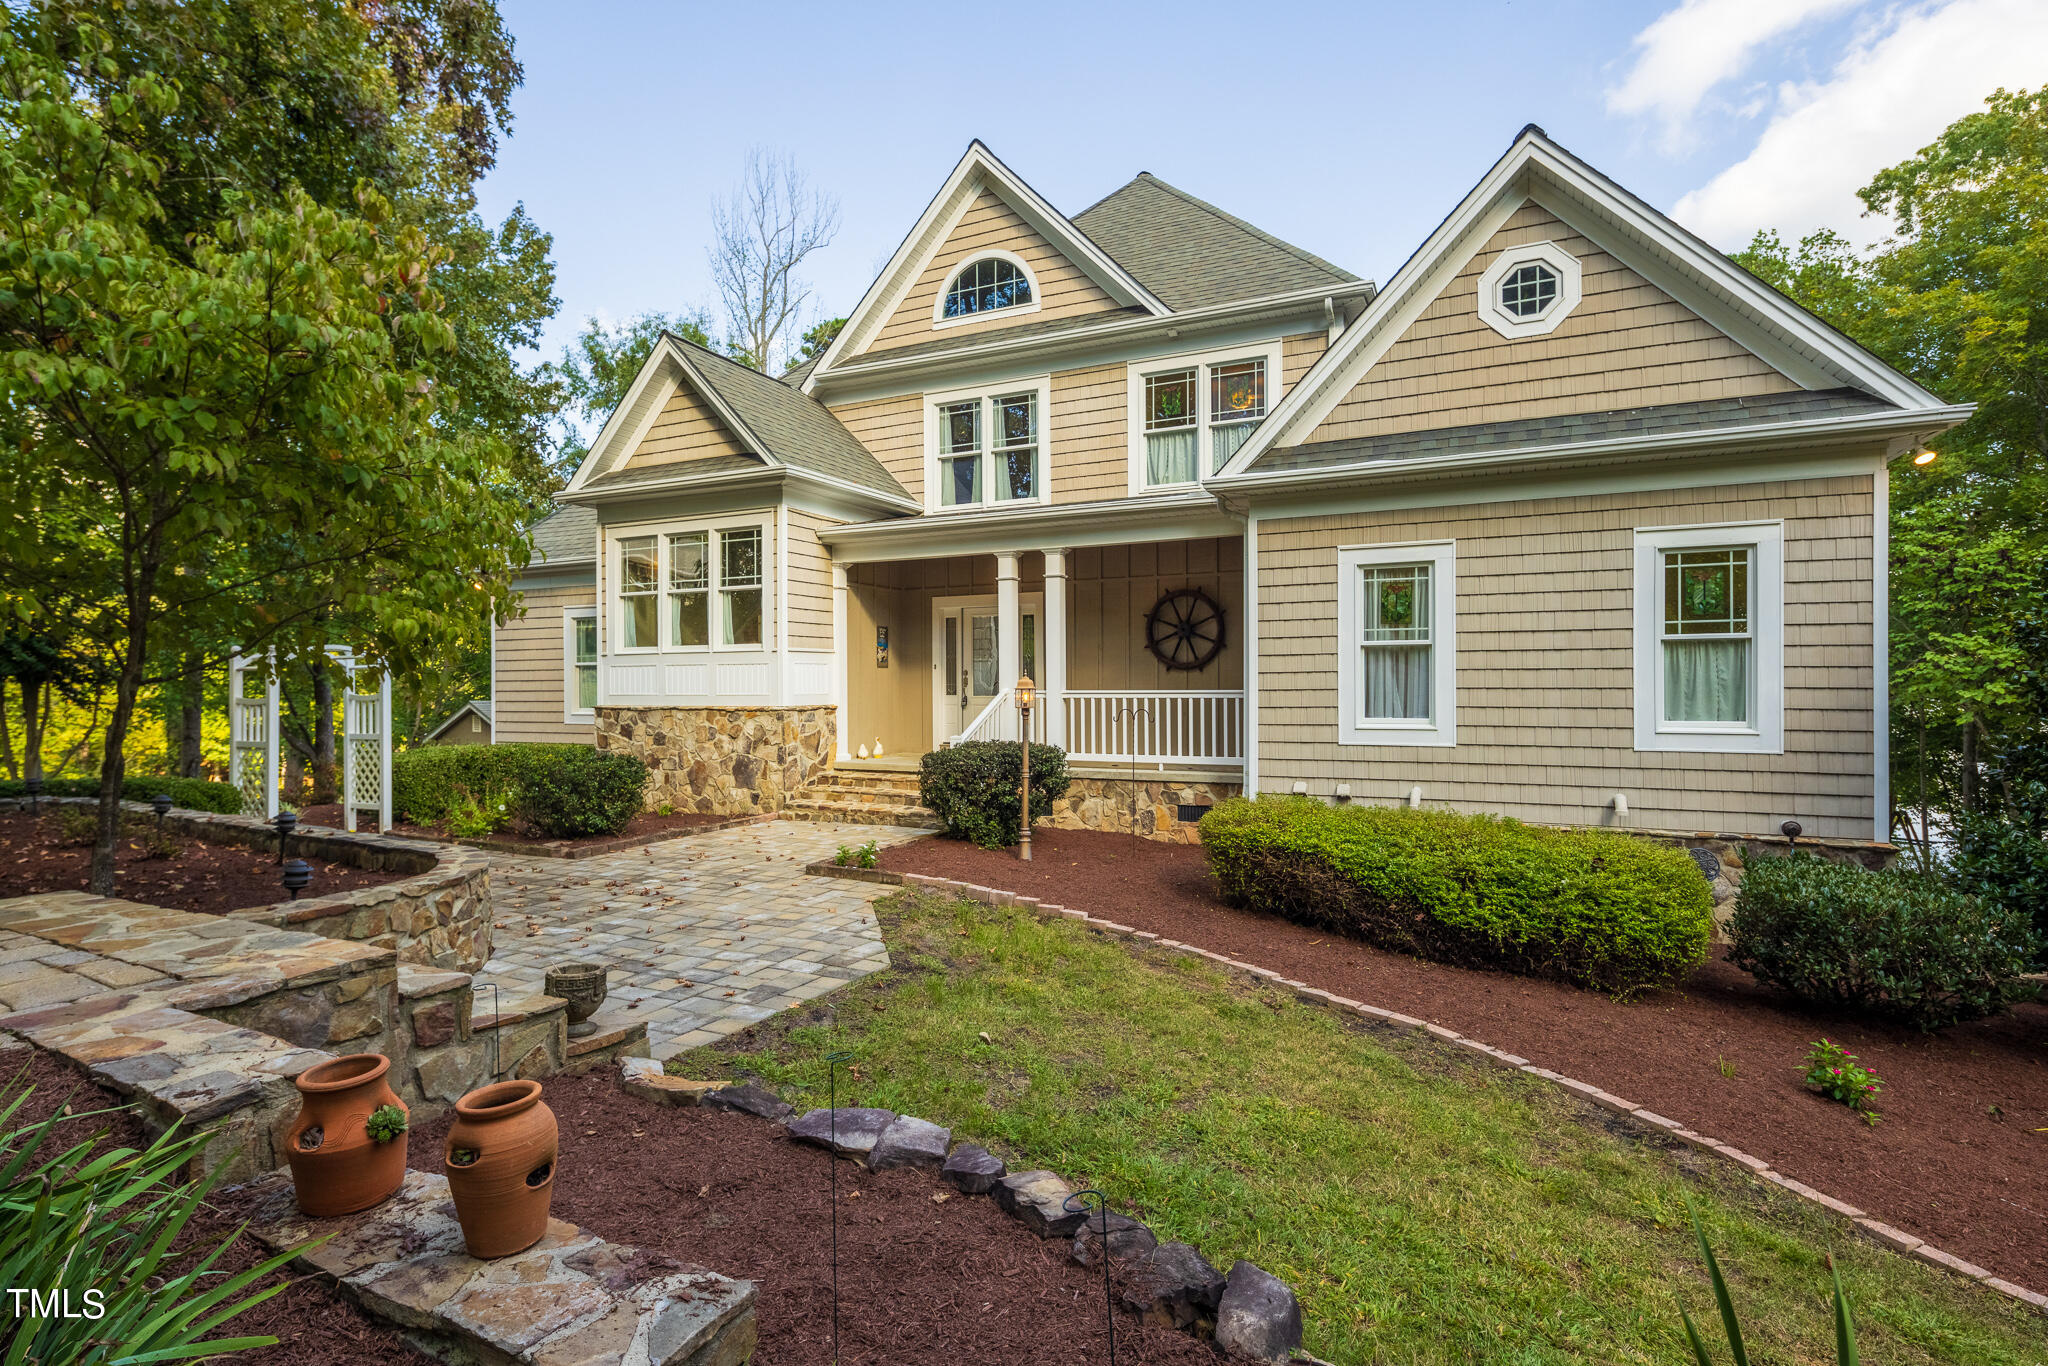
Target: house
[[470, 724], [1572, 520]]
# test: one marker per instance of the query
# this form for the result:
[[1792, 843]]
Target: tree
[[265, 392], [1957, 298], [818, 338], [762, 231]]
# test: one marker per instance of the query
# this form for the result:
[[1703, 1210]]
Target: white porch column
[[1054, 649], [1009, 623], [842, 652]]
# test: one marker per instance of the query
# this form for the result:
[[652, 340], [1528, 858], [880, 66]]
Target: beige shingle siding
[[1627, 344], [809, 583], [531, 671], [1063, 290], [1090, 458], [1297, 354], [893, 431], [686, 430], [1545, 637]]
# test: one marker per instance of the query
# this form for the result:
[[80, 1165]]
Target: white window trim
[[939, 318], [1201, 362], [1354, 728], [985, 394], [1766, 734], [571, 714], [1513, 326], [661, 531]]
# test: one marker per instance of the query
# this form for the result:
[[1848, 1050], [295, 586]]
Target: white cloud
[[1892, 93], [1688, 51]]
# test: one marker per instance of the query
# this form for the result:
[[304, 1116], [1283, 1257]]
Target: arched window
[[987, 285]]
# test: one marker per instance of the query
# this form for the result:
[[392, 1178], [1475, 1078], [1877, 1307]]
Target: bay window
[[987, 448], [1190, 414], [1709, 625], [692, 589]]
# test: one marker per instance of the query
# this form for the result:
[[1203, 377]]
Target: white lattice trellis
[[252, 735], [365, 742]]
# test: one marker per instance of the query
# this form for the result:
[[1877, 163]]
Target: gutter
[[767, 475]]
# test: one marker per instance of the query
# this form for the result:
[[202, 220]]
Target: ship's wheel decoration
[[1184, 630]]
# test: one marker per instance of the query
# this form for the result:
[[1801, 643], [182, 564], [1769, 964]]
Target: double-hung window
[[695, 589], [988, 448], [579, 641], [1397, 644], [739, 586], [689, 588], [1190, 414], [1710, 638], [639, 589]]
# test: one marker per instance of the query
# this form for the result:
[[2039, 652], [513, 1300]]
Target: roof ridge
[[1298, 253]]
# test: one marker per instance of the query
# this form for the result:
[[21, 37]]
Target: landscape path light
[[1025, 697]]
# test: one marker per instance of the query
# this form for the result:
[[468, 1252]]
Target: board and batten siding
[[1628, 344], [808, 582], [686, 429], [1545, 687], [1111, 588], [893, 431], [1064, 291], [530, 671]]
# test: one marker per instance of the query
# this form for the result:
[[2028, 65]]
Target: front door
[[966, 654]]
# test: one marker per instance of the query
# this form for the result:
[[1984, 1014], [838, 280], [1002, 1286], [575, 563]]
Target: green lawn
[[1425, 1207]]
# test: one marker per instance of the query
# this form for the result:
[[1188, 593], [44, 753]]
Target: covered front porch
[[1135, 649]]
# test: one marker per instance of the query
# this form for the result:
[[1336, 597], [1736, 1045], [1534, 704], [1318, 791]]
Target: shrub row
[[193, 794], [1897, 944], [1595, 907], [561, 791], [975, 789]]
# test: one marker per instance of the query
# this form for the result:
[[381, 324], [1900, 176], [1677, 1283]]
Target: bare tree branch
[[762, 232]]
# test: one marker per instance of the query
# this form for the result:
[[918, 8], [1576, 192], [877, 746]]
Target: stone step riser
[[859, 815]]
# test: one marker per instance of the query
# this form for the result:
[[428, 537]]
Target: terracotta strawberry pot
[[500, 1159], [337, 1167]]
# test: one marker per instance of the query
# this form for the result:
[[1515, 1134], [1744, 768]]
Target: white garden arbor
[[254, 757]]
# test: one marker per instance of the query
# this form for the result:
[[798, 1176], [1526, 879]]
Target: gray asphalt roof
[[1191, 254], [1664, 420], [649, 474], [567, 533]]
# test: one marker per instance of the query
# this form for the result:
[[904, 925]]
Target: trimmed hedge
[[1595, 907], [193, 794], [555, 788], [1895, 944], [975, 788]]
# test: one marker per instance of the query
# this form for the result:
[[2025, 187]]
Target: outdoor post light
[[297, 874], [286, 822], [34, 788], [1024, 700], [161, 804]]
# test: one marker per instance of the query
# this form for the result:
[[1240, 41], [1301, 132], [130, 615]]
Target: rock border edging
[[1647, 1120]]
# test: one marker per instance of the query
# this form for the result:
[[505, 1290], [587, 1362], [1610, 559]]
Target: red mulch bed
[[646, 823], [204, 877], [1959, 1158], [948, 1283], [312, 1322]]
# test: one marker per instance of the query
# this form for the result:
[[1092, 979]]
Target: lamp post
[[286, 822], [1024, 700]]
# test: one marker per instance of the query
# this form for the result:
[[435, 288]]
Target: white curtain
[[1170, 457], [1397, 682], [1224, 441], [1706, 680]]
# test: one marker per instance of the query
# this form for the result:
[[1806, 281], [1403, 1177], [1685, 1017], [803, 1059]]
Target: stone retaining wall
[[731, 761], [1149, 807], [1721, 858]]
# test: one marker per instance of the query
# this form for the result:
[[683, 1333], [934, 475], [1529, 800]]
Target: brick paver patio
[[704, 934]]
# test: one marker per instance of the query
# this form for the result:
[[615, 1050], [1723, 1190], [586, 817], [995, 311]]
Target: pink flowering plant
[[1834, 1072]]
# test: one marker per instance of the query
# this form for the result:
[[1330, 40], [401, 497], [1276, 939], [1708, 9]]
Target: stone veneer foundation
[[728, 761], [1149, 807]]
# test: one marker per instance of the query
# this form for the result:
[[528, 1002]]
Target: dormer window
[[988, 284], [1528, 291]]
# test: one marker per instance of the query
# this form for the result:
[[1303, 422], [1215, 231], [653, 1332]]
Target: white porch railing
[[1155, 727], [998, 721]]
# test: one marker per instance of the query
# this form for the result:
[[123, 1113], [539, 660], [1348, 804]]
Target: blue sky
[[1348, 129]]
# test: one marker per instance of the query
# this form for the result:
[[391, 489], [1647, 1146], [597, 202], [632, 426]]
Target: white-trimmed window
[[1189, 414], [1397, 644], [1528, 291], [691, 589], [579, 656], [988, 285], [987, 448], [1709, 647]]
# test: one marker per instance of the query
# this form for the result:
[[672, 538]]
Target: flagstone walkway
[[704, 935]]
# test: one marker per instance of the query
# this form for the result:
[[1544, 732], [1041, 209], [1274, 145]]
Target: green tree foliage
[[817, 338], [265, 392], [1957, 298]]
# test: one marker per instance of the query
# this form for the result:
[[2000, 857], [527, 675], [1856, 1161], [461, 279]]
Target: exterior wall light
[[1925, 458]]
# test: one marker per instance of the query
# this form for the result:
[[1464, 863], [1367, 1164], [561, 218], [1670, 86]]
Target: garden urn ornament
[[500, 1160], [347, 1146], [583, 986]]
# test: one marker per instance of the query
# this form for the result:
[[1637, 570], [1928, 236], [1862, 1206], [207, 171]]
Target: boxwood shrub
[[193, 794], [976, 788], [1595, 907], [1896, 944], [552, 787]]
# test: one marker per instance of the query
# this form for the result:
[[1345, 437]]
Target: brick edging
[[1648, 1120]]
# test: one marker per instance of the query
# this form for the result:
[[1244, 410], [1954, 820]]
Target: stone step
[[885, 797], [570, 1298], [871, 782], [859, 813]]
